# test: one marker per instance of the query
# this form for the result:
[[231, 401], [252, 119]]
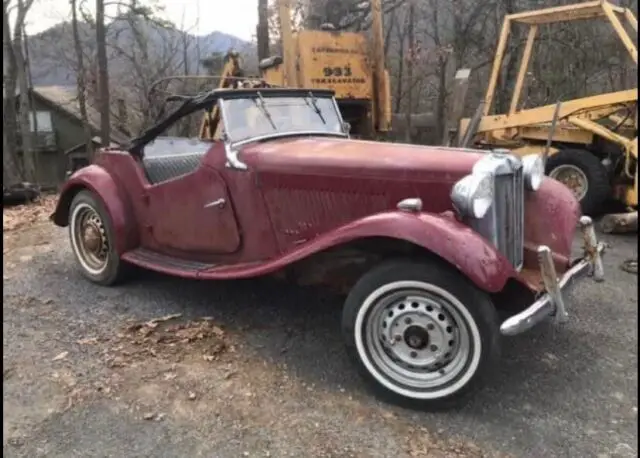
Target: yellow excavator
[[346, 62], [591, 143]]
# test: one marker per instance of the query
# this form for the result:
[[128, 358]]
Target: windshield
[[248, 118]]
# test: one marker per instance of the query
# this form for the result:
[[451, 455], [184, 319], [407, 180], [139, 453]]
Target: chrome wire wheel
[[418, 340], [89, 238], [573, 178]]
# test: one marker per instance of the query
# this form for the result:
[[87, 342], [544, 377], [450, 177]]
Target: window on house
[[43, 121]]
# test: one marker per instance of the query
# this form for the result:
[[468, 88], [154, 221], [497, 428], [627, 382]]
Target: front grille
[[503, 224], [509, 215]]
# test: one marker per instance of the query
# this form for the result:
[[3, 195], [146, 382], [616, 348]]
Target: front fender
[[442, 235], [97, 180], [454, 242]]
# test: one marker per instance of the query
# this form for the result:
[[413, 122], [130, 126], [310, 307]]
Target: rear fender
[[97, 180], [444, 236]]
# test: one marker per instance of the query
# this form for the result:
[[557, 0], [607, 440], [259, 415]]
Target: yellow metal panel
[[586, 10], [338, 61], [602, 131], [562, 134], [533, 149], [274, 76], [545, 113]]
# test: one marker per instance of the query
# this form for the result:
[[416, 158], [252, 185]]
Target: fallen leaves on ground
[[21, 216], [163, 338]]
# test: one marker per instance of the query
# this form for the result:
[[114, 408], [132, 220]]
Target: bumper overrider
[[551, 302]]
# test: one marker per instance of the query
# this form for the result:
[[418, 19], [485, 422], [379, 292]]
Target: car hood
[[340, 157]]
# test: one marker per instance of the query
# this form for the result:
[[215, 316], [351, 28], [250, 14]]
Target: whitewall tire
[[421, 334]]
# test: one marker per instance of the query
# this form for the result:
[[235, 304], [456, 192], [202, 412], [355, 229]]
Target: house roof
[[66, 98]]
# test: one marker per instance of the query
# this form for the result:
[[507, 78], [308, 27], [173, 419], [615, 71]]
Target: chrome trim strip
[[287, 134]]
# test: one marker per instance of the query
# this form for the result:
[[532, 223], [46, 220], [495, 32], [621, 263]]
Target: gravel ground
[[87, 375]]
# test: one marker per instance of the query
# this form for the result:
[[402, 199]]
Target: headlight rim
[[531, 164], [464, 194]]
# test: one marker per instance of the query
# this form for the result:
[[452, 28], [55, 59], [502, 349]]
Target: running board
[[152, 260]]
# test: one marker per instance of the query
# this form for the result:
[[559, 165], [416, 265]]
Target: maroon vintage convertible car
[[433, 243]]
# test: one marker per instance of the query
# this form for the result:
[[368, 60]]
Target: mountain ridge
[[52, 57]]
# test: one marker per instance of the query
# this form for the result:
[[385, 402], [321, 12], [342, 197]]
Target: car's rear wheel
[[92, 240], [421, 334]]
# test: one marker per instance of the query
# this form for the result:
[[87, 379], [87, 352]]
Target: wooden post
[[619, 223], [288, 45], [378, 61], [460, 87], [262, 30]]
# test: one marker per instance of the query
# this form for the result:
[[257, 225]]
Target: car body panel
[[441, 235], [301, 195]]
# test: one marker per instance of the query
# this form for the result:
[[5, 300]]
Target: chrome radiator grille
[[503, 224], [509, 215]]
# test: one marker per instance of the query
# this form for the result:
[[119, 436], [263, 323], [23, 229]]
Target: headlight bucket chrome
[[533, 168], [473, 195]]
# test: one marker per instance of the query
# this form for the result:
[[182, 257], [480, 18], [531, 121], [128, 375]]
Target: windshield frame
[[232, 145]]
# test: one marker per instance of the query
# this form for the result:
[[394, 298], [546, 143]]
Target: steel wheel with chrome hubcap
[[420, 333], [91, 239]]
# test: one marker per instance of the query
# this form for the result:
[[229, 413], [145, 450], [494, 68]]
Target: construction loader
[[346, 62], [593, 148]]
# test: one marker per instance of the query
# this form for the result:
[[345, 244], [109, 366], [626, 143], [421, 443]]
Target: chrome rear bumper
[[552, 302]]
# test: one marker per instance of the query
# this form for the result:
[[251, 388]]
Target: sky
[[236, 17]]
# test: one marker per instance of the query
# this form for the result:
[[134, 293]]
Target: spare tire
[[584, 174]]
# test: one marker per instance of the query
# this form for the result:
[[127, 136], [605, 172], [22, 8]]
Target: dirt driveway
[[162, 367]]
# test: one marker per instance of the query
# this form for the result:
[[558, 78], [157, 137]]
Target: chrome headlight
[[533, 168], [473, 195]]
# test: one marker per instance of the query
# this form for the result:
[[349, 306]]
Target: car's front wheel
[[92, 240], [421, 334]]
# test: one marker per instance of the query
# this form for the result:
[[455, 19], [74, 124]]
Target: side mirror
[[346, 127]]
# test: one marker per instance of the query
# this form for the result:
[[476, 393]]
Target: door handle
[[219, 203]]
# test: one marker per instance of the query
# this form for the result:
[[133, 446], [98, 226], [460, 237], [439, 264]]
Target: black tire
[[475, 315], [598, 185], [114, 270]]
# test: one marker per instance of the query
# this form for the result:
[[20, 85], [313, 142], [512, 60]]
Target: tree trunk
[[103, 74], [412, 56], [24, 111], [11, 170], [400, 75], [81, 81], [262, 31]]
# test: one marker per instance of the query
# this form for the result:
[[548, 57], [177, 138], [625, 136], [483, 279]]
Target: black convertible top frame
[[207, 100]]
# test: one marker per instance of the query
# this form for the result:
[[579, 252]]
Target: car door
[[193, 213]]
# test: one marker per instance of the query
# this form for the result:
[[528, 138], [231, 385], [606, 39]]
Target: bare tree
[[12, 171], [18, 77], [103, 73], [410, 60], [81, 79]]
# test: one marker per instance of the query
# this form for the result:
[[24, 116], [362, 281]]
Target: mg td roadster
[[442, 251]]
